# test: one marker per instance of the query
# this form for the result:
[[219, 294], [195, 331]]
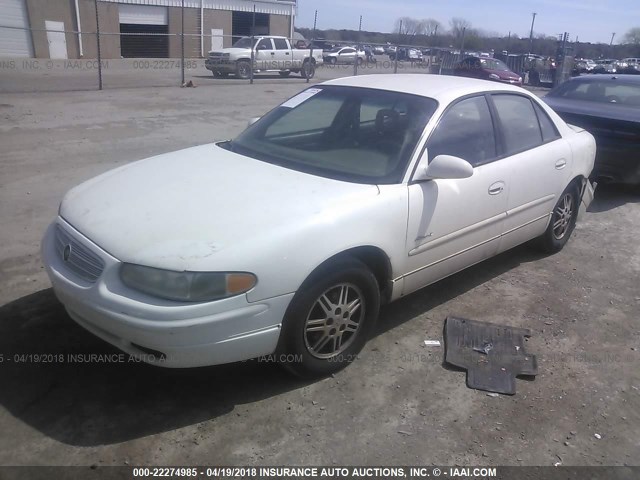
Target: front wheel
[[563, 221], [243, 69], [329, 319]]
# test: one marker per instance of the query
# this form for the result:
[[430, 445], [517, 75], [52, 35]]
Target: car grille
[[218, 58], [76, 257]]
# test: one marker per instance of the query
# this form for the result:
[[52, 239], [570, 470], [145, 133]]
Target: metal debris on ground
[[493, 355], [432, 343]]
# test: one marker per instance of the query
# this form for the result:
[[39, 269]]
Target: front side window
[[519, 123], [465, 131], [265, 44], [347, 133]]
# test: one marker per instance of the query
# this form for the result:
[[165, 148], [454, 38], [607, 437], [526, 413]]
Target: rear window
[[611, 91]]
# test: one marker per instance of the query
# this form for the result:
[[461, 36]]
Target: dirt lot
[[396, 405]]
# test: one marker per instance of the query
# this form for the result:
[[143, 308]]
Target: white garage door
[[13, 41], [143, 15]]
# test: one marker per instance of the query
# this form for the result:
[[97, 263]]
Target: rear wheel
[[330, 319], [285, 74], [563, 221], [308, 70]]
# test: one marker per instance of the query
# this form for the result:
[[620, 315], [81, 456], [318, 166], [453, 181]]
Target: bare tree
[[432, 26], [458, 25], [633, 36], [408, 28]]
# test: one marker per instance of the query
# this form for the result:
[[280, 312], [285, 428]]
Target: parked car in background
[[322, 45], [408, 54], [378, 50], [344, 55], [607, 65], [353, 193], [487, 69], [270, 54], [609, 108], [583, 65], [633, 66]]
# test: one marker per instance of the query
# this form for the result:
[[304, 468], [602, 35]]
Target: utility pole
[[533, 21], [355, 63], [182, 43], [612, 35]]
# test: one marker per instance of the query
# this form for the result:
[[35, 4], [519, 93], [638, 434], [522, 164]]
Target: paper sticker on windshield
[[301, 97]]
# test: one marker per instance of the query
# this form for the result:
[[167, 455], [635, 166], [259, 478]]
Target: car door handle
[[286, 53], [273, 53], [560, 164], [496, 189]]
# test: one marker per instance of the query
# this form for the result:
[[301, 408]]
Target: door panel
[[536, 182], [453, 224], [456, 223], [537, 170]]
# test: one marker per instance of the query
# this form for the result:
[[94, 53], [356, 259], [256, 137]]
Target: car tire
[[333, 60], [243, 69], [360, 62], [308, 70], [329, 319], [284, 74], [563, 221]]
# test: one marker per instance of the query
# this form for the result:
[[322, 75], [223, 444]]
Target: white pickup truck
[[271, 54]]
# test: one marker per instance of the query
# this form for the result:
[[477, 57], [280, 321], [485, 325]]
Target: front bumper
[[161, 332], [222, 66]]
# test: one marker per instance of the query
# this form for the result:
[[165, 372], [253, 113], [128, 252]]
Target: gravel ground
[[397, 404]]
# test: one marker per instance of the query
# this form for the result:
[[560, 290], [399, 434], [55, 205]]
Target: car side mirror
[[252, 121], [442, 167]]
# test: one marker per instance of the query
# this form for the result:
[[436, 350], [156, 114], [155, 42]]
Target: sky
[[590, 20]]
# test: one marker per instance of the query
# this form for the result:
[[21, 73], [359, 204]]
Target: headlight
[[494, 76], [186, 286]]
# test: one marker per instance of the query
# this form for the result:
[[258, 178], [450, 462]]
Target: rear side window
[[549, 130], [519, 123], [465, 131], [280, 43]]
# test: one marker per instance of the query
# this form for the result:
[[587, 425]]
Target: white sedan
[[286, 240]]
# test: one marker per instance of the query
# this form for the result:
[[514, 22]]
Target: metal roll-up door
[[144, 31], [15, 42]]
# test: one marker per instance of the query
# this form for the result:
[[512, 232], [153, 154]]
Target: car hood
[[173, 210], [230, 50]]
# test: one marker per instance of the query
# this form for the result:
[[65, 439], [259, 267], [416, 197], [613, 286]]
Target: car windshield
[[346, 133], [614, 92], [245, 42], [335, 49], [493, 64]]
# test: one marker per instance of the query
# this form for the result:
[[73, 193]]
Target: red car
[[487, 69]]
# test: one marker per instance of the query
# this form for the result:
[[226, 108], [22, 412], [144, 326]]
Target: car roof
[[443, 88], [625, 78]]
